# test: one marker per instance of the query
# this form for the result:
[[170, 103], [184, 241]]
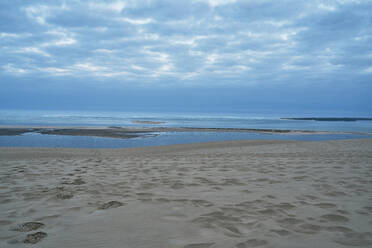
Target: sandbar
[[134, 132]]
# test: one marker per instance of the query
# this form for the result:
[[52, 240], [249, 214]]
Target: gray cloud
[[188, 42]]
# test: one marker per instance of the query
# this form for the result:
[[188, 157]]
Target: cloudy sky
[[283, 55]]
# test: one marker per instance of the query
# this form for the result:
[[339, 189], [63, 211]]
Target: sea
[[346, 129]]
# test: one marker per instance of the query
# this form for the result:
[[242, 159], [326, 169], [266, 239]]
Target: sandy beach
[[225, 194]]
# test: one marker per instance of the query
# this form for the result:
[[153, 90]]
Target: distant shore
[[148, 122], [327, 119], [134, 132]]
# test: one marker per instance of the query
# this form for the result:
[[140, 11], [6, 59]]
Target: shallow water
[[155, 139], [207, 120], [202, 120]]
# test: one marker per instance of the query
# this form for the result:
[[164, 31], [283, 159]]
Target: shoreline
[[8, 152], [135, 132]]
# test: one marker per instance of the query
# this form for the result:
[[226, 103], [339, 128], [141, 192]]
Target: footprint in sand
[[325, 205], [34, 238], [230, 230], [355, 239], [64, 195], [308, 228], [199, 245], [368, 208], [341, 229], [285, 206], [144, 194], [111, 204], [268, 211], [252, 243], [290, 221], [201, 203], [78, 181], [163, 200], [145, 197], [5, 222], [28, 226], [334, 218], [335, 193], [281, 232]]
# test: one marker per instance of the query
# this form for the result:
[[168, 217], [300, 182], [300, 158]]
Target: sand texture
[[227, 194], [135, 132]]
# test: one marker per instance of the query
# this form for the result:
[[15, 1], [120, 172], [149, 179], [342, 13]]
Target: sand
[[226, 194], [135, 132]]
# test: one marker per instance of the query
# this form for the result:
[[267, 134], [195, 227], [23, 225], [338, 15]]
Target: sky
[[197, 55]]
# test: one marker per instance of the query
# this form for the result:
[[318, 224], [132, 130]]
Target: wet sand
[[135, 132], [225, 194]]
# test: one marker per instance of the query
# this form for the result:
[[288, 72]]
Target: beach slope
[[225, 194]]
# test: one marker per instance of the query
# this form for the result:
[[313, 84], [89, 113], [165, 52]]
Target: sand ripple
[[233, 194]]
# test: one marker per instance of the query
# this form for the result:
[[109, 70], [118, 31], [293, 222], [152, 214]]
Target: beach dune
[[224, 194]]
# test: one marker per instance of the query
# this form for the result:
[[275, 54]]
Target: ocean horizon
[[252, 120]]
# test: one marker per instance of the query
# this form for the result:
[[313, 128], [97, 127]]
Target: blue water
[[40, 140], [225, 120], [222, 120]]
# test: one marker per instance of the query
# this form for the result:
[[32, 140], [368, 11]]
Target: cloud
[[116, 6], [55, 71], [35, 50], [8, 35], [368, 70], [215, 3], [10, 68], [89, 67], [214, 42], [136, 21]]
